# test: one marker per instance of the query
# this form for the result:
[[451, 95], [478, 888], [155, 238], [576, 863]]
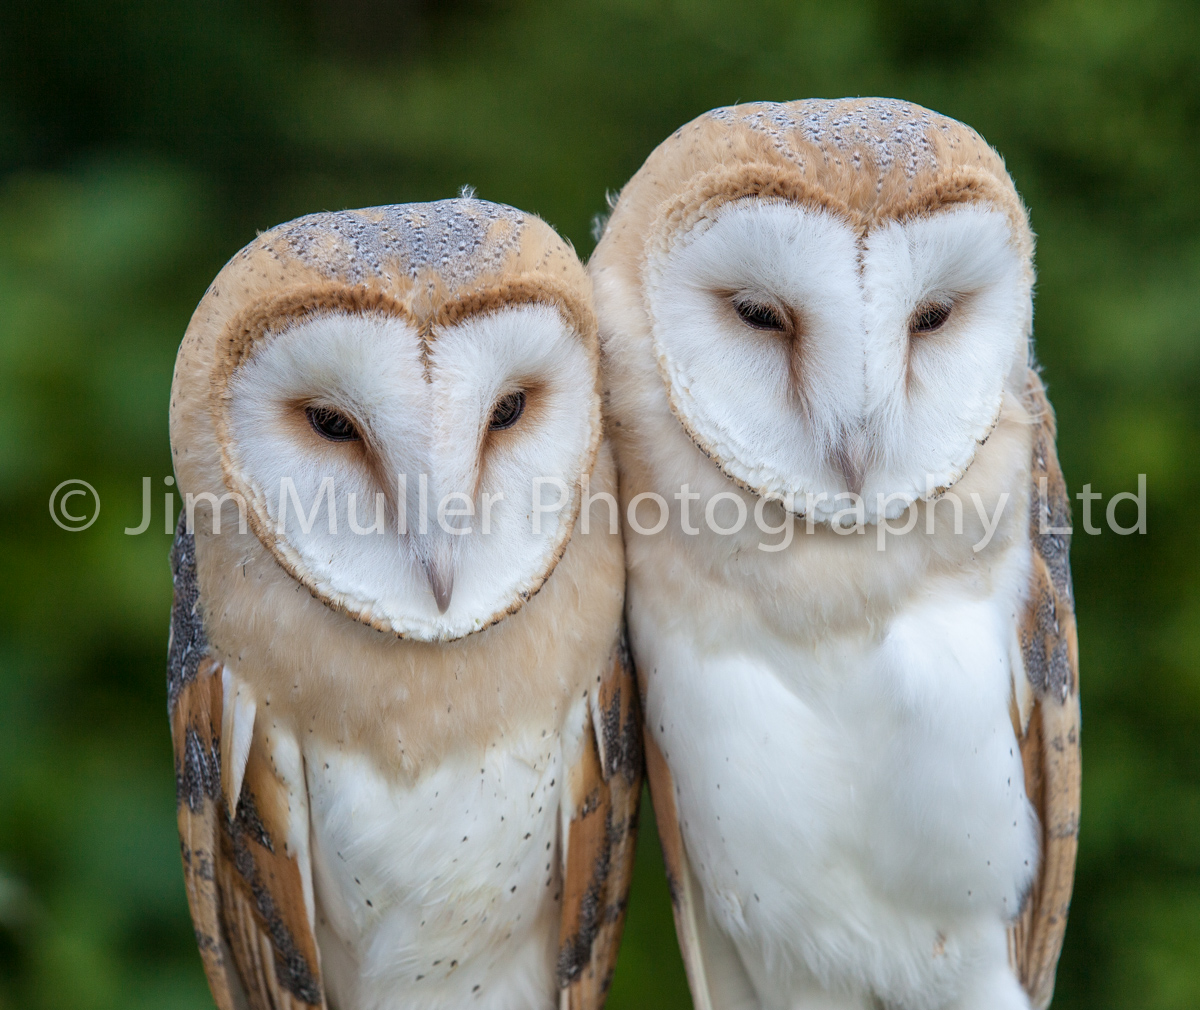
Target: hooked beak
[[441, 581], [432, 550], [437, 558]]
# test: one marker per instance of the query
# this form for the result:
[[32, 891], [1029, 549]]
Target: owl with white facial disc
[[407, 738], [854, 632]]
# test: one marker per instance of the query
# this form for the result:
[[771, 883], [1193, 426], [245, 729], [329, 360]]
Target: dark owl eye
[[508, 411], [931, 316], [328, 423], [761, 317]]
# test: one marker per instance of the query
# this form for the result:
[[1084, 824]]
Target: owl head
[[835, 295], [405, 399]]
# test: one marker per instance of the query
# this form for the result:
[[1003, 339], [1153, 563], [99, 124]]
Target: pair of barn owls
[[408, 735]]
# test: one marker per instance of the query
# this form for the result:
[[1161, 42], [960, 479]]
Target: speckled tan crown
[[865, 159], [429, 262]]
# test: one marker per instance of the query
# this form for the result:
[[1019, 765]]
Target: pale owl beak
[[441, 581], [437, 558], [432, 550]]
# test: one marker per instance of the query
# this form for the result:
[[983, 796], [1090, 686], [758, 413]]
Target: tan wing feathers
[[245, 889], [600, 839], [262, 894], [1050, 744], [195, 722], [194, 706], [679, 877]]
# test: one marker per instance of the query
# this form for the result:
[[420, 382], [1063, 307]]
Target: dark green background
[[142, 143]]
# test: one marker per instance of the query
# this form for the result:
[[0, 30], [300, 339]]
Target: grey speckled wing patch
[[189, 644], [1052, 514], [456, 239], [888, 131]]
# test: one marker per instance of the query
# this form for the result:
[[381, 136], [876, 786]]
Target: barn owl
[[407, 740], [862, 728]]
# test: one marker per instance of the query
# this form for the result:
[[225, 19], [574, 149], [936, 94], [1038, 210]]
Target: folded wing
[[1046, 714], [599, 838], [242, 811]]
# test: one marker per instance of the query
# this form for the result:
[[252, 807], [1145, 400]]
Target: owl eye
[[758, 316], [328, 423], [508, 411], [931, 316]]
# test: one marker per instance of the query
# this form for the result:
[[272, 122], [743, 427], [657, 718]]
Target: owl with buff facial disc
[[407, 737], [855, 635]]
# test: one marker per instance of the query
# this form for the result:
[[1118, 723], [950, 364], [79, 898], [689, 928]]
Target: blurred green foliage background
[[143, 142]]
